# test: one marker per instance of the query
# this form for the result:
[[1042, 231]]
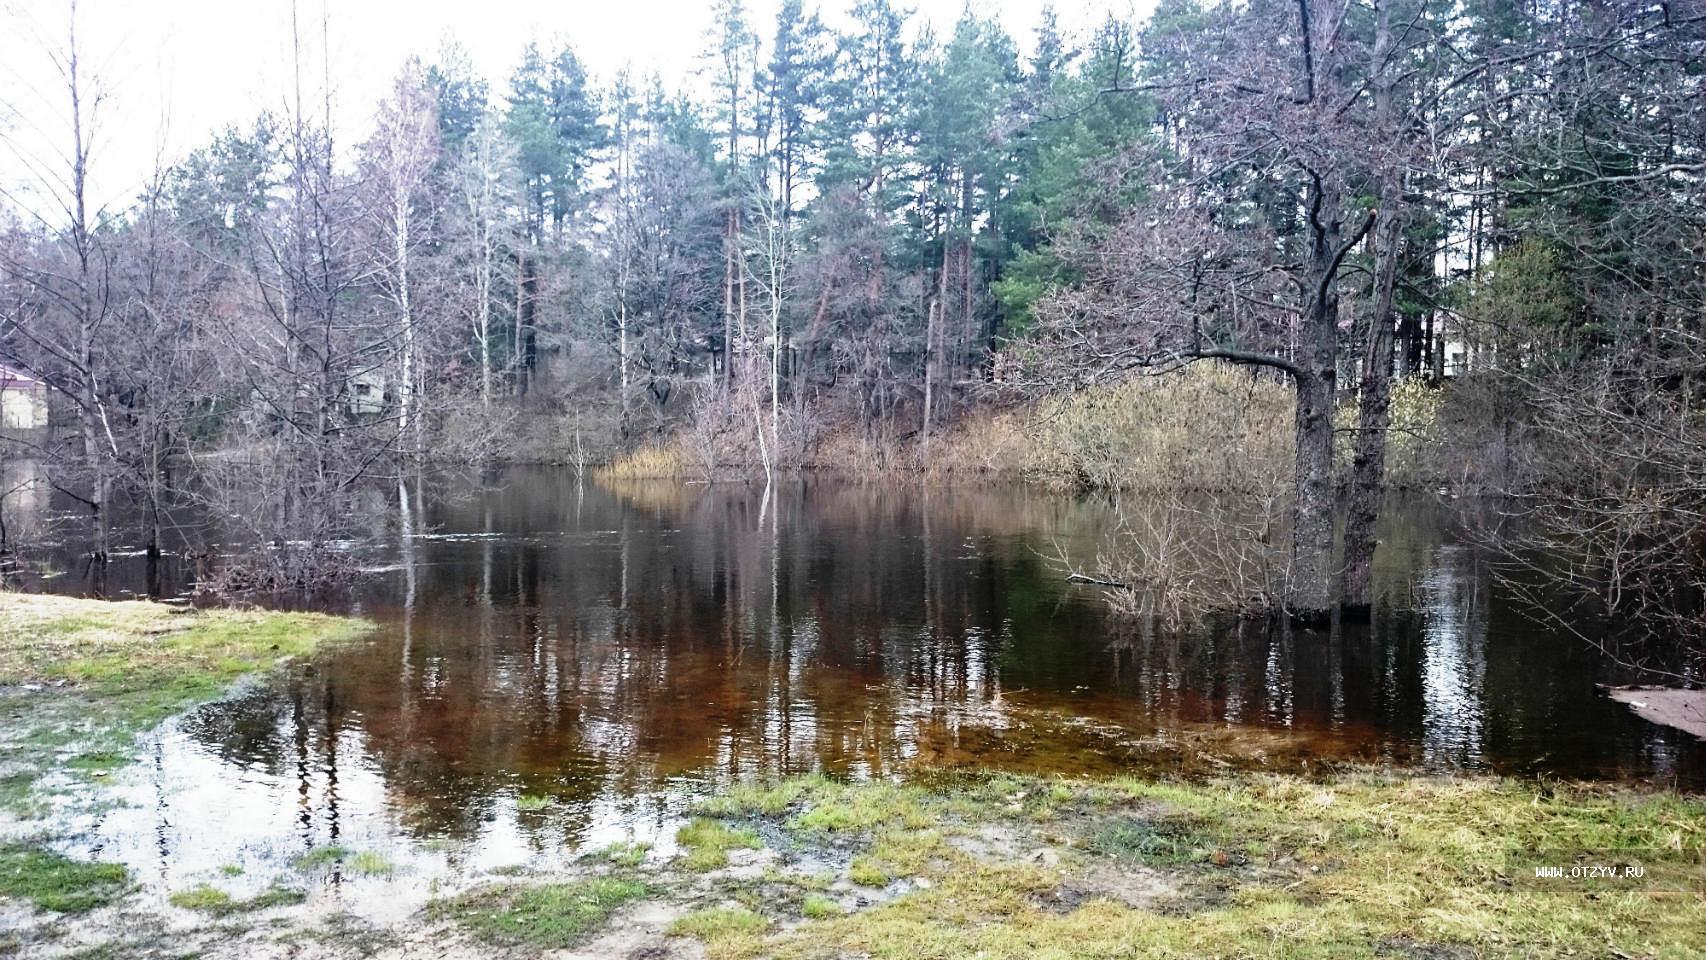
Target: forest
[[1456, 248]]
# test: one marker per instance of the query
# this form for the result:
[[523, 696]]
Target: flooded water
[[621, 651]]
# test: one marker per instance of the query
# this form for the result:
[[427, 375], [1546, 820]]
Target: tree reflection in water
[[623, 650]]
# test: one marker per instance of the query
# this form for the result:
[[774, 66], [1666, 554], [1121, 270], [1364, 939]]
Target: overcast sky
[[177, 70]]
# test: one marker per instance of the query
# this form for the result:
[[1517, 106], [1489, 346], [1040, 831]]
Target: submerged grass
[[365, 862], [552, 916], [625, 854], [58, 883], [213, 901], [532, 803], [84, 677], [652, 462]]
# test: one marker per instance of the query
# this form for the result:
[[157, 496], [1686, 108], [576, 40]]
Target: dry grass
[[1417, 440], [1209, 427], [849, 450], [1212, 426], [658, 461]]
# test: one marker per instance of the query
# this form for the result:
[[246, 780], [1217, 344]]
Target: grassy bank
[[80, 679], [1362, 865]]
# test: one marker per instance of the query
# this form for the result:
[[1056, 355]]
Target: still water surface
[[624, 650]]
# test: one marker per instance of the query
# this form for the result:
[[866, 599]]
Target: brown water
[[625, 650]]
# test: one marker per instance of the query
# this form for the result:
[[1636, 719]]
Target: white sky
[[178, 70]]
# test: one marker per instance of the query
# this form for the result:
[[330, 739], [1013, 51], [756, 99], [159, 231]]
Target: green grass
[[867, 872], [725, 931], [211, 900], [371, 864], [1149, 842], [841, 808], [531, 803], [58, 883], [707, 843], [900, 853], [204, 898], [760, 799], [318, 858], [275, 897], [626, 854], [553, 916], [365, 862], [816, 906], [114, 670]]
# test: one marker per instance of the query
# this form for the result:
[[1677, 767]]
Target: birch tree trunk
[[405, 314]]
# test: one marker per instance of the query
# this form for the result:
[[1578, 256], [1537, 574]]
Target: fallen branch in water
[[1098, 581], [1065, 563]]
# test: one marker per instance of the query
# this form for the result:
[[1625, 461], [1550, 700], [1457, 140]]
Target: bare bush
[[1177, 557], [1613, 533]]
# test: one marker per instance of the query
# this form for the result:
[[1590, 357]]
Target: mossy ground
[[79, 679], [1363, 865]]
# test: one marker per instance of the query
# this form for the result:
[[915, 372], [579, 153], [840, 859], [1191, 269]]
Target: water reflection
[[621, 650], [1454, 665]]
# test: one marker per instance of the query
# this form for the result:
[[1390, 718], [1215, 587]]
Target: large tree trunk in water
[[1312, 581], [1368, 463], [1311, 584]]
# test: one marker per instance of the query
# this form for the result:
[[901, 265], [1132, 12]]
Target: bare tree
[[486, 180], [399, 159], [769, 251], [55, 324]]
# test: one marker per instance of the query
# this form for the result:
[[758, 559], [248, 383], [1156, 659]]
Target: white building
[[23, 400], [367, 394]]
